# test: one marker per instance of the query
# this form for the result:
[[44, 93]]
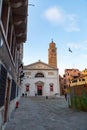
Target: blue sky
[[64, 21]]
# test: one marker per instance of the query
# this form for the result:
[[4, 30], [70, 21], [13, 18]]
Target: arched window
[[39, 75]]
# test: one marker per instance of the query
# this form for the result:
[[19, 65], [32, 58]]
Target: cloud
[[71, 23], [78, 45], [73, 45], [84, 56], [56, 15]]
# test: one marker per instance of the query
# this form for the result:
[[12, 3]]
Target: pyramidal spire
[[52, 40]]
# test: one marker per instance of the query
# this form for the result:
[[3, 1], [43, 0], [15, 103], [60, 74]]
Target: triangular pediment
[[39, 65]]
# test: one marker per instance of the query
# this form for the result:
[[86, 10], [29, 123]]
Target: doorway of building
[[39, 90]]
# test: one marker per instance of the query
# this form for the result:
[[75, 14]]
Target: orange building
[[61, 82], [69, 75]]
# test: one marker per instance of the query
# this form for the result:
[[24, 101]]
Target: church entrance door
[[39, 90]]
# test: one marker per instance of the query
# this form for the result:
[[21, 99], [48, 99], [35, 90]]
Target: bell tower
[[52, 54]]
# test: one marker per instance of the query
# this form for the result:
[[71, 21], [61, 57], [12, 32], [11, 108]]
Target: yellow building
[[84, 72], [79, 81]]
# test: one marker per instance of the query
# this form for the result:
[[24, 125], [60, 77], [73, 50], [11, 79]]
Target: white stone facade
[[41, 79]]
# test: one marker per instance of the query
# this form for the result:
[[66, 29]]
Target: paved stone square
[[39, 113]]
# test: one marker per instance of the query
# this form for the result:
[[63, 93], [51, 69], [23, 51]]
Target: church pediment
[[39, 65]]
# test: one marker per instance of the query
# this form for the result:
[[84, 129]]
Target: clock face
[[53, 50]]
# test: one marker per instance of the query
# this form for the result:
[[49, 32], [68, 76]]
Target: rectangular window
[[51, 88], [27, 88], [74, 81], [29, 73], [13, 90], [50, 73], [3, 76]]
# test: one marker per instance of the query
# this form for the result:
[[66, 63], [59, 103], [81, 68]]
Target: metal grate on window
[[3, 76]]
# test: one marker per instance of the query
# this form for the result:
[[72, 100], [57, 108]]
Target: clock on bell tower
[[52, 54]]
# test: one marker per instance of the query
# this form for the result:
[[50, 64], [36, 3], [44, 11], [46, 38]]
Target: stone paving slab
[[37, 113]]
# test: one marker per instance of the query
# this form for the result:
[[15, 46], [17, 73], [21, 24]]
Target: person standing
[[65, 93]]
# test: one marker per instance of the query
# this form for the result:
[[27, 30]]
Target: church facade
[[41, 78]]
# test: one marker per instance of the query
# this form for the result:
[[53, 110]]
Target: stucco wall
[[46, 80]]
